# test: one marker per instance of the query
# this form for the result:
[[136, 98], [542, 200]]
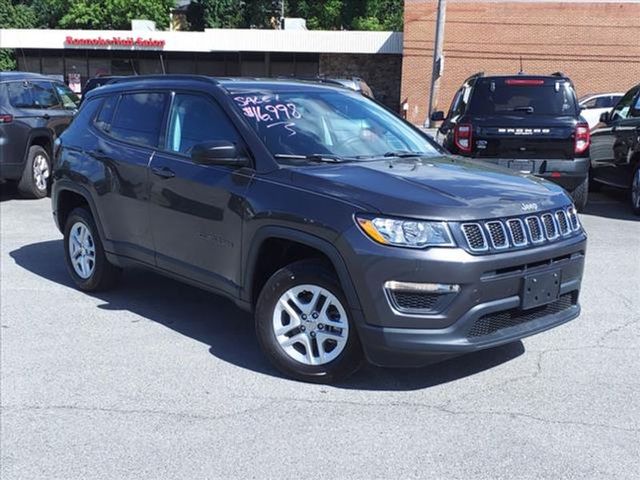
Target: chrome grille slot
[[573, 219], [550, 229], [563, 222], [475, 237], [516, 229], [497, 234], [535, 229]]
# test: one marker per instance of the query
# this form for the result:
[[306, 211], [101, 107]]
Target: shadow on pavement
[[228, 331], [610, 203]]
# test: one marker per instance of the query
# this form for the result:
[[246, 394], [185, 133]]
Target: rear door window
[[498, 97], [33, 94], [139, 117]]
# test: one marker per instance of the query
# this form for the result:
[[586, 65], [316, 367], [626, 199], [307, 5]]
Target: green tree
[[115, 14], [203, 14], [49, 12], [13, 15]]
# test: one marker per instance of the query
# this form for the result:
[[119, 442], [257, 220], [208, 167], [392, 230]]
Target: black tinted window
[[624, 105], [103, 121], [138, 118], [38, 95], [195, 119], [499, 97]]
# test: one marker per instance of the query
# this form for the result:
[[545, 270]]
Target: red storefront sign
[[130, 42]]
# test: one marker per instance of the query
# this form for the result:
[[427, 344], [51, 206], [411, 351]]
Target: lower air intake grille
[[415, 301], [493, 322]]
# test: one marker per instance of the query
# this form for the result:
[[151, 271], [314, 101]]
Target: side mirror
[[605, 117], [437, 116], [218, 152]]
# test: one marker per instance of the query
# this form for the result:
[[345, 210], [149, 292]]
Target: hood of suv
[[442, 188]]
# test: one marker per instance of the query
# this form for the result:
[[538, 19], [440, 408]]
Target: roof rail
[[171, 76], [475, 75]]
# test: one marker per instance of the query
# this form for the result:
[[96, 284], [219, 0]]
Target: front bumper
[[484, 313], [568, 173]]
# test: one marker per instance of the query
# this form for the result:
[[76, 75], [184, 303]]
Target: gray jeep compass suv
[[34, 111], [347, 232]]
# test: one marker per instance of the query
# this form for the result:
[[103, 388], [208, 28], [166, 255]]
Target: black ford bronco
[[347, 231], [529, 123]]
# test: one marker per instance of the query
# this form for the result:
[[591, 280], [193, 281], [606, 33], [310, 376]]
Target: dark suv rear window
[[521, 96], [33, 94]]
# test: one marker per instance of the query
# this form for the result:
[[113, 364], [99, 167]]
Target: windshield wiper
[[403, 154], [312, 157], [522, 109]]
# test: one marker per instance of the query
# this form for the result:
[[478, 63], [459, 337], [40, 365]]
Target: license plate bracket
[[540, 289], [522, 166]]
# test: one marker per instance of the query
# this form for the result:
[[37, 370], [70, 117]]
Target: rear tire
[[84, 255], [34, 182], [634, 194], [580, 195], [304, 325]]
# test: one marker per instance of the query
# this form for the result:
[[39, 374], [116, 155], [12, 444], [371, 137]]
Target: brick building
[[595, 43]]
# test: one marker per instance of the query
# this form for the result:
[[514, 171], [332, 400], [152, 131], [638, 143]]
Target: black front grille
[[517, 232], [563, 223], [573, 219], [488, 324], [497, 234], [549, 226], [415, 301], [484, 236], [535, 229], [474, 236]]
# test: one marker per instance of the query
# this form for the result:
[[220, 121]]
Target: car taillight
[[6, 118], [462, 137], [583, 138]]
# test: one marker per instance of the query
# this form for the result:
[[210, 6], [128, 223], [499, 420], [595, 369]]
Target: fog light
[[421, 287]]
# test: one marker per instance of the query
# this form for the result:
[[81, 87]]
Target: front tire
[[580, 195], [304, 325], [34, 182], [84, 255]]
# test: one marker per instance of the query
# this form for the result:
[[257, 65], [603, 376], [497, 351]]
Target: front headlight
[[406, 233]]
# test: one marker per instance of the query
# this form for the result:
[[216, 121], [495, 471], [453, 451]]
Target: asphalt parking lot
[[160, 380]]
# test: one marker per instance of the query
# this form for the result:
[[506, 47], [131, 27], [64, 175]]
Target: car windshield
[[497, 97], [329, 124]]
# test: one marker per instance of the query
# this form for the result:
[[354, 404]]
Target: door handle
[[46, 116], [163, 172]]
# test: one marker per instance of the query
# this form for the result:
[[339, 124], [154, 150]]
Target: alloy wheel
[[40, 172], [82, 250], [310, 324]]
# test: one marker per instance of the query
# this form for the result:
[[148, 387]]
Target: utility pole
[[438, 61]]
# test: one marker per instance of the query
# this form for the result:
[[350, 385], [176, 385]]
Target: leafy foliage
[[320, 15], [115, 14], [13, 15]]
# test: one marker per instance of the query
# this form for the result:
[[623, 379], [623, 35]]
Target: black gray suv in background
[[528, 123], [347, 232], [615, 153], [34, 111]]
